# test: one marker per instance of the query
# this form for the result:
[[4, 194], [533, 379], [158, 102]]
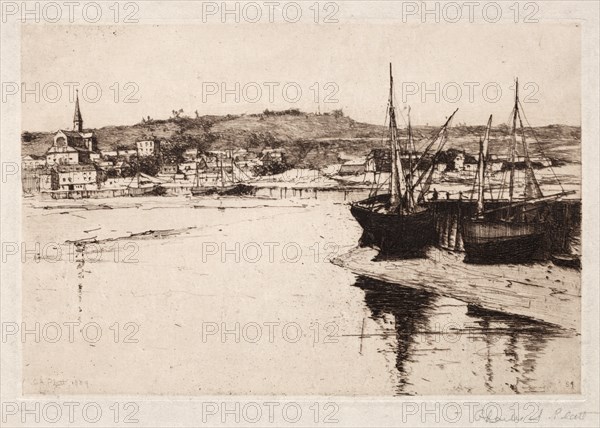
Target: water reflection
[[410, 309], [462, 348]]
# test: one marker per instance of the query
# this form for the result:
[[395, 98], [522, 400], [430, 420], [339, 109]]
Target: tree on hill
[[338, 113], [258, 141], [172, 151], [149, 165], [176, 113], [272, 167], [27, 137], [290, 112]]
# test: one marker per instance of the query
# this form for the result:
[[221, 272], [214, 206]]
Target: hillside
[[312, 140]]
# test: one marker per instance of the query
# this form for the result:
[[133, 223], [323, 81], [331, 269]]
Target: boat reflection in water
[[442, 345]]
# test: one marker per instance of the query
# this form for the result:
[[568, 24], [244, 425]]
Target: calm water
[[245, 301]]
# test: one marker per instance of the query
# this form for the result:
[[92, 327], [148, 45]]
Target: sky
[[160, 68]]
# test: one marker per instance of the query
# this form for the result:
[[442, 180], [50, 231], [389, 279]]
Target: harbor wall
[[92, 194]]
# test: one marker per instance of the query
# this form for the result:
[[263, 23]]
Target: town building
[[62, 154], [126, 153], [470, 165], [188, 167], [440, 167], [168, 169], [352, 167], [459, 162], [190, 154], [109, 153], [74, 177], [148, 148], [72, 147], [379, 160], [272, 155], [45, 180], [33, 162]]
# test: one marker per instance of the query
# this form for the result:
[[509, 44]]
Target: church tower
[[77, 119]]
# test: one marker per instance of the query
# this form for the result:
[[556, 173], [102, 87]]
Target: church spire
[[77, 119]]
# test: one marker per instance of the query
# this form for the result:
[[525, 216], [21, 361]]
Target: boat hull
[[231, 190], [393, 234], [488, 242]]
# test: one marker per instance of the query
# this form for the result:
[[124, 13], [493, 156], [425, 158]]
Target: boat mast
[[395, 194], [483, 152], [137, 150], [220, 165], [232, 168], [197, 173], [514, 147], [410, 149]]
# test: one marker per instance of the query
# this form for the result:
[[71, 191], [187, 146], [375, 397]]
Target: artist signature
[[564, 414]]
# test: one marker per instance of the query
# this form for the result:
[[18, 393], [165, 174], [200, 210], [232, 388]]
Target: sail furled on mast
[[397, 185]]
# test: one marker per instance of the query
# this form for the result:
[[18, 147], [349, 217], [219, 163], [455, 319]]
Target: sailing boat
[[400, 222], [153, 189], [513, 230], [223, 185]]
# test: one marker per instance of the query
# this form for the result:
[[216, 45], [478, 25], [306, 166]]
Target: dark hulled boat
[[516, 230], [225, 190], [392, 233], [399, 222], [502, 241]]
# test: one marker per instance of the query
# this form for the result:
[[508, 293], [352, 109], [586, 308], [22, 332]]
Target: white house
[[33, 162], [190, 154], [74, 177], [62, 154], [147, 148]]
